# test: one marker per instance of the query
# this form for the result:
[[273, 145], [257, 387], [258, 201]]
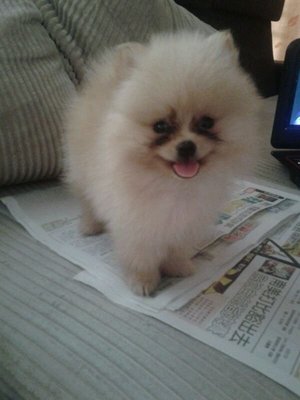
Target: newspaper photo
[[244, 298]]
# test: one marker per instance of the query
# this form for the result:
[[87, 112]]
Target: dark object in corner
[[250, 24], [286, 128]]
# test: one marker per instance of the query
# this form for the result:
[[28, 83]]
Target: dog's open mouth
[[187, 169]]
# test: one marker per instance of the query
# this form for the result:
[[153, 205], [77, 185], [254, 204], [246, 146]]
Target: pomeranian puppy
[[153, 141]]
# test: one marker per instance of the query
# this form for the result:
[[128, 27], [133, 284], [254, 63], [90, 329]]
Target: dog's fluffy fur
[[123, 134]]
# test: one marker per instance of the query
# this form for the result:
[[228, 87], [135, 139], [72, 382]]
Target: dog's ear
[[229, 41], [224, 41], [127, 54], [113, 65]]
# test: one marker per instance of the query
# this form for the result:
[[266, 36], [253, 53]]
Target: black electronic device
[[286, 128]]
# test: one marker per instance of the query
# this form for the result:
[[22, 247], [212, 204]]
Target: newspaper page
[[252, 312], [52, 216]]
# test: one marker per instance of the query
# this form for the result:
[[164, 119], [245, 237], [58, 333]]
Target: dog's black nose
[[186, 150]]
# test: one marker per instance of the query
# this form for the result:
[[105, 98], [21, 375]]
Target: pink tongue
[[186, 170]]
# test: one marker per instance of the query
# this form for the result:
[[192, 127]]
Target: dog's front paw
[[90, 226], [178, 269], [143, 283]]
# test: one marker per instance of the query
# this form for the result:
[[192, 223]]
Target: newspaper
[[244, 298], [252, 312]]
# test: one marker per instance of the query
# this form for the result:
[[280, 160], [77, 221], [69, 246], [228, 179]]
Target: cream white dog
[[153, 142]]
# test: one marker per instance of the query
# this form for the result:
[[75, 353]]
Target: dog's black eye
[[203, 126], [205, 123], [162, 126]]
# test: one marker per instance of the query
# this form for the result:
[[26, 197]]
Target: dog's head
[[186, 105]]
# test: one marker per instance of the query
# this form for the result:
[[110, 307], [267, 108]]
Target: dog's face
[[186, 106], [184, 146]]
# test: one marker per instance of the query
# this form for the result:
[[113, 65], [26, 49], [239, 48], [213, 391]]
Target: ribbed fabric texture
[[61, 340], [45, 45]]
